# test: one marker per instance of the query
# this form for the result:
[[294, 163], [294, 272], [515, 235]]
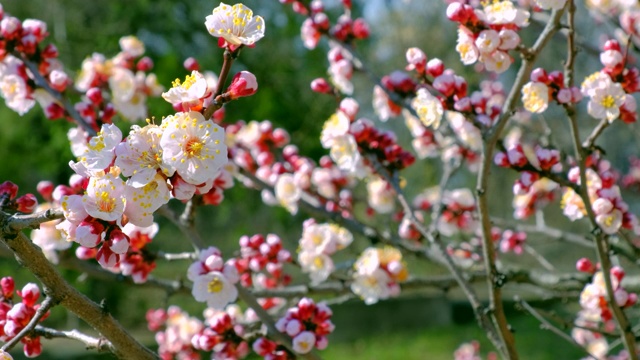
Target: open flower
[[235, 24], [193, 146], [428, 108], [214, 289], [187, 94], [535, 97]]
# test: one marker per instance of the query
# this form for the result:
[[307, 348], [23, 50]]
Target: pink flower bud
[[191, 64], [9, 189], [89, 233], [539, 75], [107, 258], [7, 285], [118, 241], [85, 253], [321, 85], [585, 265], [45, 189], [612, 45], [27, 203], [144, 64], [244, 83], [361, 29], [304, 342], [30, 294], [617, 272]]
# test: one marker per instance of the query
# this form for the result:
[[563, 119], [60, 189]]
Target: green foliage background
[[33, 148]]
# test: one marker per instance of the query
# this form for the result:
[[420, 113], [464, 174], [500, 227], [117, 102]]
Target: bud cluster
[[14, 316]]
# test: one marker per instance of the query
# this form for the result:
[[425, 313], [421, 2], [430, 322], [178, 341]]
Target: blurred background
[[421, 326]]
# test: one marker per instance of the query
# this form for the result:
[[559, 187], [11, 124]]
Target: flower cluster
[[486, 35], [123, 79], [458, 212], [223, 335], [317, 244], [544, 87], [596, 312], [16, 83], [308, 324], [261, 263], [609, 89], [213, 279], [318, 23], [611, 211], [377, 274], [174, 330], [14, 316], [539, 160], [137, 262]]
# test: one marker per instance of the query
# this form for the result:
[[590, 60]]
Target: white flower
[[131, 45], [191, 90], [428, 108], [14, 91], [606, 101], [535, 97], [317, 239], [287, 192], [214, 289], [318, 265], [368, 262], [504, 12], [340, 73], [132, 109], [193, 146], [337, 125], [371, 287], [466, 47], [105, 197], [611, 222], [304, 342], [594, 81], [236, 24], [143, 201], [487, 41], [381, 196], [344, 151], [101, 148], [498, 61], [140, 155], [122, 83]]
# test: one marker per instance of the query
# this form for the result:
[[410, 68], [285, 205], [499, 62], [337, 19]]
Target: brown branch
[[31, 257], [100, 344], [494, 278], [59, 97], [18, 222]]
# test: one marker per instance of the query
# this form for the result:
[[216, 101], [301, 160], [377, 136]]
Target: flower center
[[608, 101], [215, 285], [106, 203], [194, 147]]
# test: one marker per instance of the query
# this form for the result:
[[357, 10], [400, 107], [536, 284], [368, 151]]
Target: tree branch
[[31, 257]]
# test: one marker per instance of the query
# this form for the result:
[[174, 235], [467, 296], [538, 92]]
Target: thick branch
[[31, 257]]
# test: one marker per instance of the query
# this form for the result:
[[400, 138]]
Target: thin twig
[[60, 98], [549, 326], [100, 344], [47, 304]]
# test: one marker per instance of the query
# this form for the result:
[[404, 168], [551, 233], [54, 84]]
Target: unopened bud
[[243, 84]]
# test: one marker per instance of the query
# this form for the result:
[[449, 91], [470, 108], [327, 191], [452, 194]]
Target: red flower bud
[[244, 83]]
